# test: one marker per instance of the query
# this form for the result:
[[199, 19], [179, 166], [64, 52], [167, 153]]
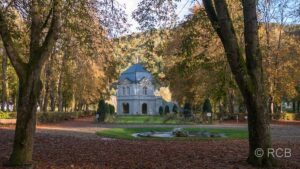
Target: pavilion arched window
[[124, 91], [128, 90], [145, 90]]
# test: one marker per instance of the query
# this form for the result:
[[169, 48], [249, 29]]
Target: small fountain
[[178, 132]]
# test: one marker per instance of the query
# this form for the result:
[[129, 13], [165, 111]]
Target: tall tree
[[155, 23], [47, 73], [44, 20], [248, 72], [4, 81], [274, 16], [198, 67]]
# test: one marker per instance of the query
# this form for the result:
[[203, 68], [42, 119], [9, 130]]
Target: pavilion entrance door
[[126, 108], [144, 108]]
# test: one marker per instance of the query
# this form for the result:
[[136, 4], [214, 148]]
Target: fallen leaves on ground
[[57, 152]]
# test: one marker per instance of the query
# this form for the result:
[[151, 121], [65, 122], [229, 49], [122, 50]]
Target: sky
[[182, 10], [131, 5]]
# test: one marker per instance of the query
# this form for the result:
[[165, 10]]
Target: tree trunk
[[221, 112], [271, 106], [46, 96], [52, 95], [65, 108], [60, 83], [4, 106], [259, 131], [230, 102], [29, 92], [29, 72], [254, 95], [267, 21], [248, 72], [294, 106], [73, 107], [60, 93]]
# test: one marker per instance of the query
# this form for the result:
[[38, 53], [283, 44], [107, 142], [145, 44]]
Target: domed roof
[[135, 73]]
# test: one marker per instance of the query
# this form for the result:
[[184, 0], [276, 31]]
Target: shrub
[[297, 116], [285, 116], [52, 117], [110, 118], [175, 109], [107, 109], [197, 118], [88, 113], [111, 109], [288, 116], [277, 116], [207, 106], [8, 115], [161, 110], [187, 112], [167, 110], [4, 116], [170, 117], [102, 110]]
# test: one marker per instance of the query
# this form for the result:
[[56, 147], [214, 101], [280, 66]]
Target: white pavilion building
[[135, 92]]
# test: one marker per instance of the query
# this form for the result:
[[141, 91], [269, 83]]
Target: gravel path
[[86, 127]]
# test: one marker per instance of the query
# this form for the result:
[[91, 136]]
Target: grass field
[[126, 133], [148, 120]]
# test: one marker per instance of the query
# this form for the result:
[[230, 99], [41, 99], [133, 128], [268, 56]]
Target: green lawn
[[147, 120], [126, 133]]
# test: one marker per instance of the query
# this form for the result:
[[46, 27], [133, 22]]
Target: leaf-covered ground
[[59, 151], [74, 144]]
